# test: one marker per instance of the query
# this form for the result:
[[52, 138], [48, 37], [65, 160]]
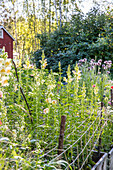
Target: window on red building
[[1, 50], [1, 33]]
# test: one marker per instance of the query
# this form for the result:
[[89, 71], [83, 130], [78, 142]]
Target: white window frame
[[1, 33]]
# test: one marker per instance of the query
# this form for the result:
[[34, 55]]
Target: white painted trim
[[1, 27]]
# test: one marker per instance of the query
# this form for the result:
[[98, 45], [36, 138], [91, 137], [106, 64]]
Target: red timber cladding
[[7, 42]]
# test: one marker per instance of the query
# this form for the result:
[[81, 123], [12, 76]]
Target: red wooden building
[[6, 40]]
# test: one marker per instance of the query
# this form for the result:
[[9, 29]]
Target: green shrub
[[82, 37]]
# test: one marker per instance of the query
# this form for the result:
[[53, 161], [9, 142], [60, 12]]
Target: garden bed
[[31, 109]]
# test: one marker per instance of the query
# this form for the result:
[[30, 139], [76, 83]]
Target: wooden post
[[111, 97], [100, 139], [61, 137]]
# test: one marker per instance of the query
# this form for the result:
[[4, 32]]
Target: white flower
[[46, 110], [38, 83], [96, 90], [28, 66], [7, 62], [8, 69], [42, 81], [4, 81], [52, 86], [77, 74], [48, 100], [65, 79], [44, 64], [51, 94], [70, 80], [1, 61], [1, 94], [15, 88], [2, 71], [54, 101]]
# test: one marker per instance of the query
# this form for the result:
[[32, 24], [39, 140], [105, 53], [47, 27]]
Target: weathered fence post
[[61, 136], [100, 139], [111, 97]]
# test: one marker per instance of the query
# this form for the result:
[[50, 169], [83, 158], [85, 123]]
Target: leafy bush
[[83, 37]]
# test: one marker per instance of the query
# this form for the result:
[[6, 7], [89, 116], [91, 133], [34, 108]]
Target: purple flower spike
[[105, 68], [80, 61], [94, 64], [109, 103], [85, 59], [100, 60], [92, 60], [103, 65], [79, 64], [105, 62], [109, 66], [92, 67], [109, 62], [99, 64], [108, 72]]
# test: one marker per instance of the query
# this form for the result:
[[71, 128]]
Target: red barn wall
[[7, 41]]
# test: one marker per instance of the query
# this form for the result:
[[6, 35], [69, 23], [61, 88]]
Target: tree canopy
[[60, 28]]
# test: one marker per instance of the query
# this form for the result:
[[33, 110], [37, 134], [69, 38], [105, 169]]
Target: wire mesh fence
[[78, 153], [79, 141]]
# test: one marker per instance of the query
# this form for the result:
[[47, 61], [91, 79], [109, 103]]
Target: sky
[[85, 6]]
